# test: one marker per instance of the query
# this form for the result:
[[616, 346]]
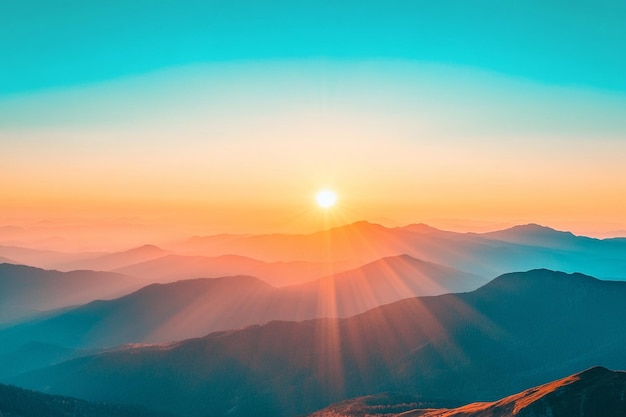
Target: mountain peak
[[516, 281], [147, 248], [594, 372], [420, 228], [535, 228]]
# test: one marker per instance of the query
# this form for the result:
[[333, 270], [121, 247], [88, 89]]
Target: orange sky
[[244, 149]]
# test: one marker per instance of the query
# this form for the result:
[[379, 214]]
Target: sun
[[326, 198]]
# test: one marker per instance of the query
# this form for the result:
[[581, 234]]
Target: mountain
[[17, 402], [341, 248], [117, 260], [193, 308], [177, 267], [519, 330], [26, 291], [596, 392], [358, 242], [536, 235], [491, 254], [156, 313], [41, 258], [384, 281]]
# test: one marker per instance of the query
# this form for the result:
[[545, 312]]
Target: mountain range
[[489, 254], [193, 308], [519, 330]]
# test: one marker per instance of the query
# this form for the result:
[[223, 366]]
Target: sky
[[228, 116]]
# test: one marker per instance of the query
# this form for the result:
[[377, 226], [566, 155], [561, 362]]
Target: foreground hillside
[[596, 392], [520, 330]]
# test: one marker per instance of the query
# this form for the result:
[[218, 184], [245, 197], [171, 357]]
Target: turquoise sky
[[54, 43]]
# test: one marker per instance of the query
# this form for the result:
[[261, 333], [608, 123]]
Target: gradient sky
[[229, 115]]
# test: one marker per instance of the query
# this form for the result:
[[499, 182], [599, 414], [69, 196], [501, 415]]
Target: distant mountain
[[596, 392], [490, 254], [176, 267], [117, 260], [41, 258], [17, 402], [349, 243], [520, 330], [193, 308], [537, 235], [25, 291]]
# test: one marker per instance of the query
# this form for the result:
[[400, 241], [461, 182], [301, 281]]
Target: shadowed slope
[[519, 330]]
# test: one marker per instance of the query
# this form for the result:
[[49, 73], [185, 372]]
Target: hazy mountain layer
[[176, 267], [193, 308], [25, 291], [490, 254]]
